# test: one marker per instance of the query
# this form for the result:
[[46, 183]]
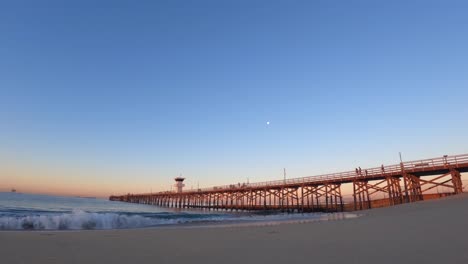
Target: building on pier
[[179, 184]]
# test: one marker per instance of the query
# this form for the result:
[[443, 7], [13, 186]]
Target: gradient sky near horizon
[[109, 97]]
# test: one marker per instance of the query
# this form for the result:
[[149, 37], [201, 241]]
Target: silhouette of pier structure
[[385, 185]]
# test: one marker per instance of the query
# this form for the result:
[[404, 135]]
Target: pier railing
[[407, 166]]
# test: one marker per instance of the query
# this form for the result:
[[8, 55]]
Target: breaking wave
[[81, 220]]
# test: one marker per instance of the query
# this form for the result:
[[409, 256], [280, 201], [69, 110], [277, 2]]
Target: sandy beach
[[433, 231]]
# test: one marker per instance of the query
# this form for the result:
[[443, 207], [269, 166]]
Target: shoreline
[[342, 216], [423, 232], [296, 218]]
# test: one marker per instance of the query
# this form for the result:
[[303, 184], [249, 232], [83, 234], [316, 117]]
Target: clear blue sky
[[171, 87]]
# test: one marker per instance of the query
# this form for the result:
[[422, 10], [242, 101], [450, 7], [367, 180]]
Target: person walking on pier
[[360, 171], [382, 168], [357, 171]]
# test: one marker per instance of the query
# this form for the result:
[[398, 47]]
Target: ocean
[[20, 211]]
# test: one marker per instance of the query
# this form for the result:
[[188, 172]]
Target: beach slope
[[433, 231]]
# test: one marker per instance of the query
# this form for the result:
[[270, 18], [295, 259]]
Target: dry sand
[[425, 232]]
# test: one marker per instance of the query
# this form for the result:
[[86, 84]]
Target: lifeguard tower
[[179, 184]]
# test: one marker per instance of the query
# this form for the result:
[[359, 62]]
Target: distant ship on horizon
[[87, 197], [13, 190]]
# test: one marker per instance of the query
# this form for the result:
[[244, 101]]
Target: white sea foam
[[78, 219]]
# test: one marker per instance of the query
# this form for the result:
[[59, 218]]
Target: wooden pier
[[386, 185]]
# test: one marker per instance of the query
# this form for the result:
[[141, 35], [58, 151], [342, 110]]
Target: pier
[[386, 185]]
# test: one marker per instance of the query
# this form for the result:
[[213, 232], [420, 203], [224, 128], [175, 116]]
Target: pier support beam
[[395, 196], [413, 190], [456, 181], [333, 197], [361, 195]]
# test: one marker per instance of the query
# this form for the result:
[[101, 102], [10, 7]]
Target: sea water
[[43, 212]]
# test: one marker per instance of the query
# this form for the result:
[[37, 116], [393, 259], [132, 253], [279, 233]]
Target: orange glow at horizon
[[28, 177]]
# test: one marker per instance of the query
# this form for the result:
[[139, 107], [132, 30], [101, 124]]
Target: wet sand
[[433, 231]]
